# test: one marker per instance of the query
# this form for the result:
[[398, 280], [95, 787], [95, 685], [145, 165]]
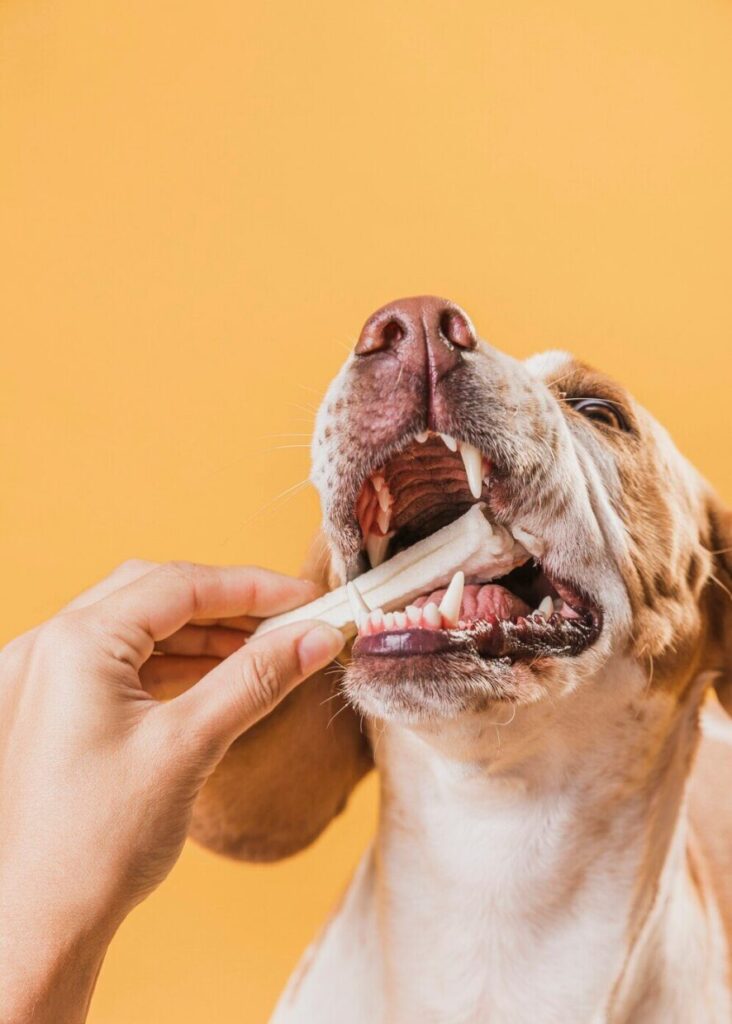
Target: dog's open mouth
[[524, 614]]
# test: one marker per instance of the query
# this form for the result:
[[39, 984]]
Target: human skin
[[98, 775]]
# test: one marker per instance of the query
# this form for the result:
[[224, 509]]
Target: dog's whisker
[[333, 717], [287, 447], [719, 583], [276, 502], [329, 699]]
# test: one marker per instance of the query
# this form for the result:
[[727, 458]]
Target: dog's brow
[[582, 381]]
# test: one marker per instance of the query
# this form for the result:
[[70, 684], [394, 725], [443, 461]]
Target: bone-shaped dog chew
[[470, 544]]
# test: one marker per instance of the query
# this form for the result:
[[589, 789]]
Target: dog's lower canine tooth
[[360, 609], [453, 599], [469, 544], [473, 462]]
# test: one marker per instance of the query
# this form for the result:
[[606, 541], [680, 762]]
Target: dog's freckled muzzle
[[431, 475]]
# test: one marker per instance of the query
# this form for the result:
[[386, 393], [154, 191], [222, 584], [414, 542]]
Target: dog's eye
[[600, 410]]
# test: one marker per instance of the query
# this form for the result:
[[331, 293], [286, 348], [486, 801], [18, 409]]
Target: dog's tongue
[[480, 602]]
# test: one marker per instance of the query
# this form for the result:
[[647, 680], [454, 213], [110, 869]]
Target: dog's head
[[625, 546]]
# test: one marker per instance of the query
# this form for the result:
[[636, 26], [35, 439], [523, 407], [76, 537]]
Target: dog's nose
[[415, 327]]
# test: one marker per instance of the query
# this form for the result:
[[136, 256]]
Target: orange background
[[201, 203]]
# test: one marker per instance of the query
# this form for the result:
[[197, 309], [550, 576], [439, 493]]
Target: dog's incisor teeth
[[422, 437], [431, 615], [453, 599], [376, 620], [414, 614], [473, 462]]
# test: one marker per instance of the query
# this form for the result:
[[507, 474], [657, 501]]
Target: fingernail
[[319, 646]]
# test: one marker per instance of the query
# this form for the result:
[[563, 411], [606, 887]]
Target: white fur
[[490, 895]]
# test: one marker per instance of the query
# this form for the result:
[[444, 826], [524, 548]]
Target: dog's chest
[[491, 908]]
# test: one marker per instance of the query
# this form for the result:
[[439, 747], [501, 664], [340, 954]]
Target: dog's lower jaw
[[528, 873]]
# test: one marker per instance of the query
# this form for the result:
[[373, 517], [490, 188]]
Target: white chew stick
[[471, 543]]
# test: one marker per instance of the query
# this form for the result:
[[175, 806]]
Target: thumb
[[250, 683]]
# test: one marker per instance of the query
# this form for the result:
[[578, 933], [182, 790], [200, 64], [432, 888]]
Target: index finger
[[165, 599]]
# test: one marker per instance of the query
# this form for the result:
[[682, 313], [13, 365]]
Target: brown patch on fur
[[660, 501], [717, 538]]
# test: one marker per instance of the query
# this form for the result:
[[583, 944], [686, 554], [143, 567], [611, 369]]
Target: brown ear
[[719, 543], [284, 781]]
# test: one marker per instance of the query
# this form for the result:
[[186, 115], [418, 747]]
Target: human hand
[[98, 777]]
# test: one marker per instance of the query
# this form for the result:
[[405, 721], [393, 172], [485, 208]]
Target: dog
[[555, 835]]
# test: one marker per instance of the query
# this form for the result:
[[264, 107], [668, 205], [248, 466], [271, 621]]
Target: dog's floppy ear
[[719, 596], [284, 780]]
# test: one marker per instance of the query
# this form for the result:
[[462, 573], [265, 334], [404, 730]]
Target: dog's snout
[[415, 325]]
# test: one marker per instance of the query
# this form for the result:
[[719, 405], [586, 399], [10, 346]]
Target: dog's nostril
[[392, 332], [378, 335], [457, 329]]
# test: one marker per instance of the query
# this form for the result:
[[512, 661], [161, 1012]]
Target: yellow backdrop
[[201, 202]]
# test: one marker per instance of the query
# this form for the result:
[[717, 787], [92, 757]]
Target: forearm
[[48, 973]]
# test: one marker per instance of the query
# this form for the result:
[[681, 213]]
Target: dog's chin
[[425, 687]]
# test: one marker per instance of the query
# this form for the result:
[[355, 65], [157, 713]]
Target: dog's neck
[[539, 858]]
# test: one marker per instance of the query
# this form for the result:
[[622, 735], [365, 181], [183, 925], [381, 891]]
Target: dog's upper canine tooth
[[383, 517], [450, 442], [377, 547], [384, 497], [473, 462], [453, 599], [527, 540]]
